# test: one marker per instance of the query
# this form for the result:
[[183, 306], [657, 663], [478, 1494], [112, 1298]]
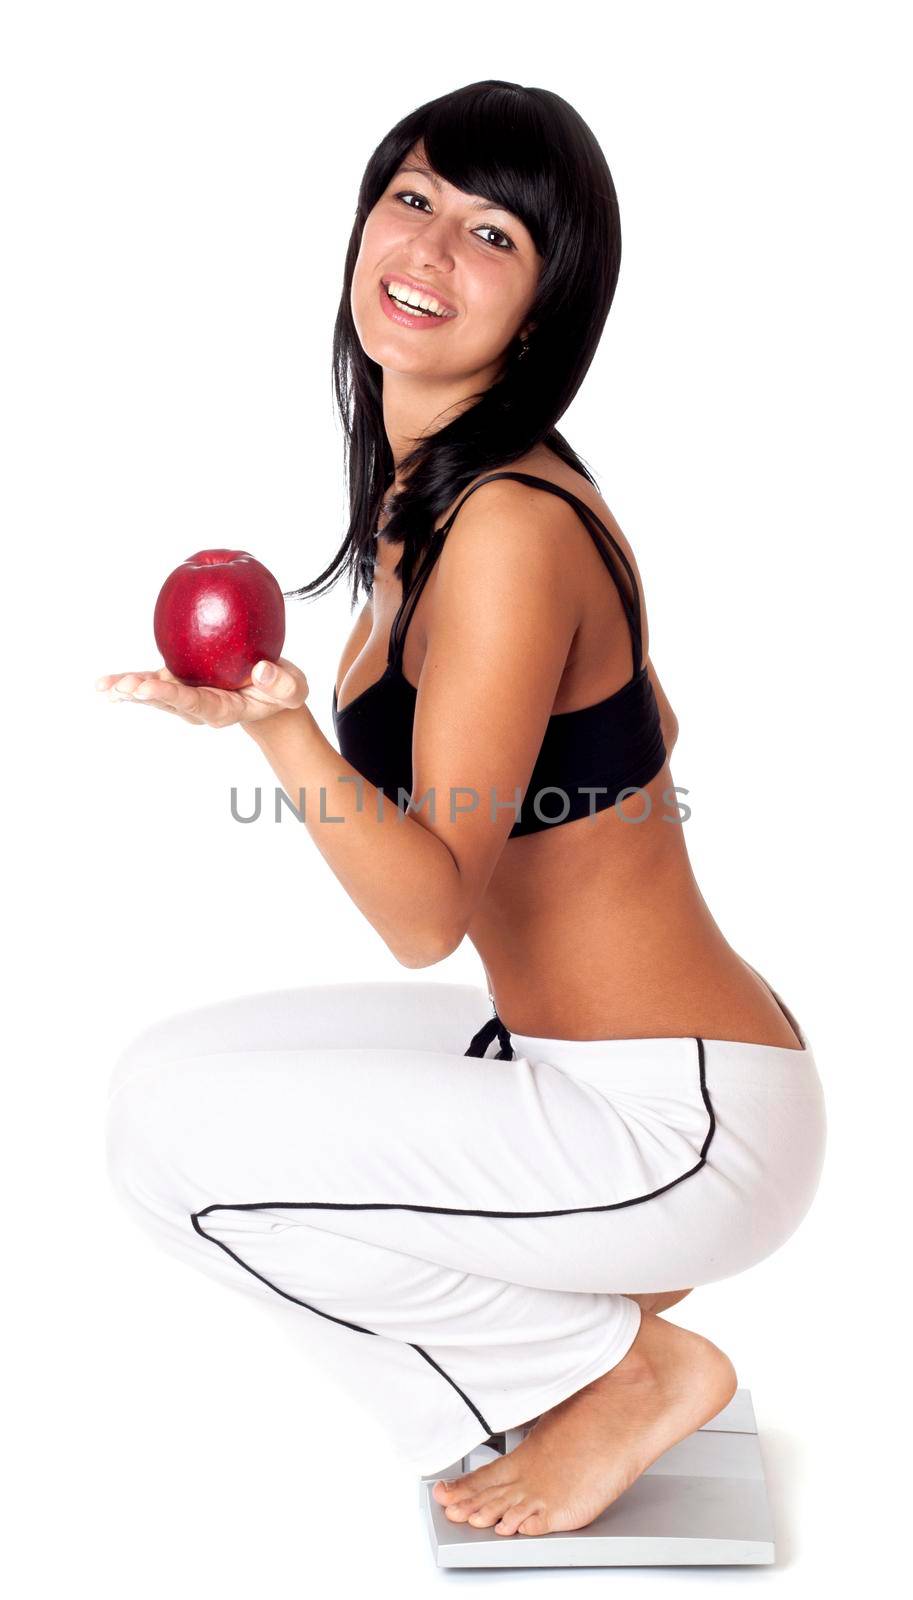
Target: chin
[[393, 358]]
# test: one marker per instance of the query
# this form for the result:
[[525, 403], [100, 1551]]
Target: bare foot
[[581, 1455]]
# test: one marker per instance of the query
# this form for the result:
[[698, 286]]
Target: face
[[477, 260]]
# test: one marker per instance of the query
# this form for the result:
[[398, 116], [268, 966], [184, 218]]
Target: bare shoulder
[[512, 512], [531, 517], [515, 508], [547, 467], [511, 537], [524, 506]]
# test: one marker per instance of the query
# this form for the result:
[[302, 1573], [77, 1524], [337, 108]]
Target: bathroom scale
[[702, 1503]]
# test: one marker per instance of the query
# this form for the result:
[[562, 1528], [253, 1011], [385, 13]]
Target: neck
[[416, 407]]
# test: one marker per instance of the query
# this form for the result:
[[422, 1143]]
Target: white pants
[[462, 1229]]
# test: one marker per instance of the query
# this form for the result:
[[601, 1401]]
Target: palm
[[204, 705]]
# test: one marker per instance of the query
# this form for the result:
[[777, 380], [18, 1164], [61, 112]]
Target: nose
[[432, 246]]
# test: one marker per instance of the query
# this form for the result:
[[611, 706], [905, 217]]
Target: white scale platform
[[703, 1503]]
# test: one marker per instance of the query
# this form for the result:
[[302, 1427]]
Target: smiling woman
[[473, 297], [652, 1118]]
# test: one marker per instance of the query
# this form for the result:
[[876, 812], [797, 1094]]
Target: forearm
[[401, 876]]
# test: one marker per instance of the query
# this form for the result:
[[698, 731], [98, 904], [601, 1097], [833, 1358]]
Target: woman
[[507, 1230]]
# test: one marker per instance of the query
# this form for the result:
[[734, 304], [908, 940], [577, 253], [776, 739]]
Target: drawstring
[[481, 1040]]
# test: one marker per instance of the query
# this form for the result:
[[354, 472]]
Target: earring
[[524, 349]]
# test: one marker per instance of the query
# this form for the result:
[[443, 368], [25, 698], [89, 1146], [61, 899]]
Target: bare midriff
[[597, 930], [593, 929]]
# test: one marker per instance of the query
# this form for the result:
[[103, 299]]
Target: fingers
[[111, 678], [133, 686], [163, 694], [161, 697], [127, 682], [279, 683], [202, 705]]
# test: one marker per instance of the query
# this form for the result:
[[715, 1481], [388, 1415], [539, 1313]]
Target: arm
[[502, 620], [398, 875]]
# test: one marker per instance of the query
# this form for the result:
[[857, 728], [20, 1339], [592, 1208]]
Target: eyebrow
[[426, 172]]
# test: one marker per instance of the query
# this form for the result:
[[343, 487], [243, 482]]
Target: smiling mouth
[[417, 311]]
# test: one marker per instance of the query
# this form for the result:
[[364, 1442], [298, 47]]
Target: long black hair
[[529, 151]]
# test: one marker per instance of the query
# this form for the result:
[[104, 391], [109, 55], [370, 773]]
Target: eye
[[405, 193], [487, 227]]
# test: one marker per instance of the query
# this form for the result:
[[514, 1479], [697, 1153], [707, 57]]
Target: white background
[[178, 187]]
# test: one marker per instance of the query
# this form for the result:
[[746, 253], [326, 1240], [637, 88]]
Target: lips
[[420, 288]]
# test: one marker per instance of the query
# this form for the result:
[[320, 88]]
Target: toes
[[471, 1486], [495, 1507], [456, 1513], [447, 1492], [485, 1517], [479, 1504], [460, 1510], [535, 1523], [512, 1519], [449, 1489]]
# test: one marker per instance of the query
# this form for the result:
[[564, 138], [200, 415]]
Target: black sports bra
[[587, 756]]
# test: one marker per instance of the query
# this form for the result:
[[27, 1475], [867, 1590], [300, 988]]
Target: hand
[[214, 708]]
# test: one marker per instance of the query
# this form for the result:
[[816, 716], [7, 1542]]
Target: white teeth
[[410, 298]]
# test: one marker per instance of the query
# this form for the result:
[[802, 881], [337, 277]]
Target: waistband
[[663, 1068], [641, 1065], [581, 1052]]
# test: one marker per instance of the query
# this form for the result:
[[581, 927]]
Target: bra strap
[[631, 607]]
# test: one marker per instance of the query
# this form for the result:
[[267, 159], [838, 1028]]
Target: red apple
[[217, 615]]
